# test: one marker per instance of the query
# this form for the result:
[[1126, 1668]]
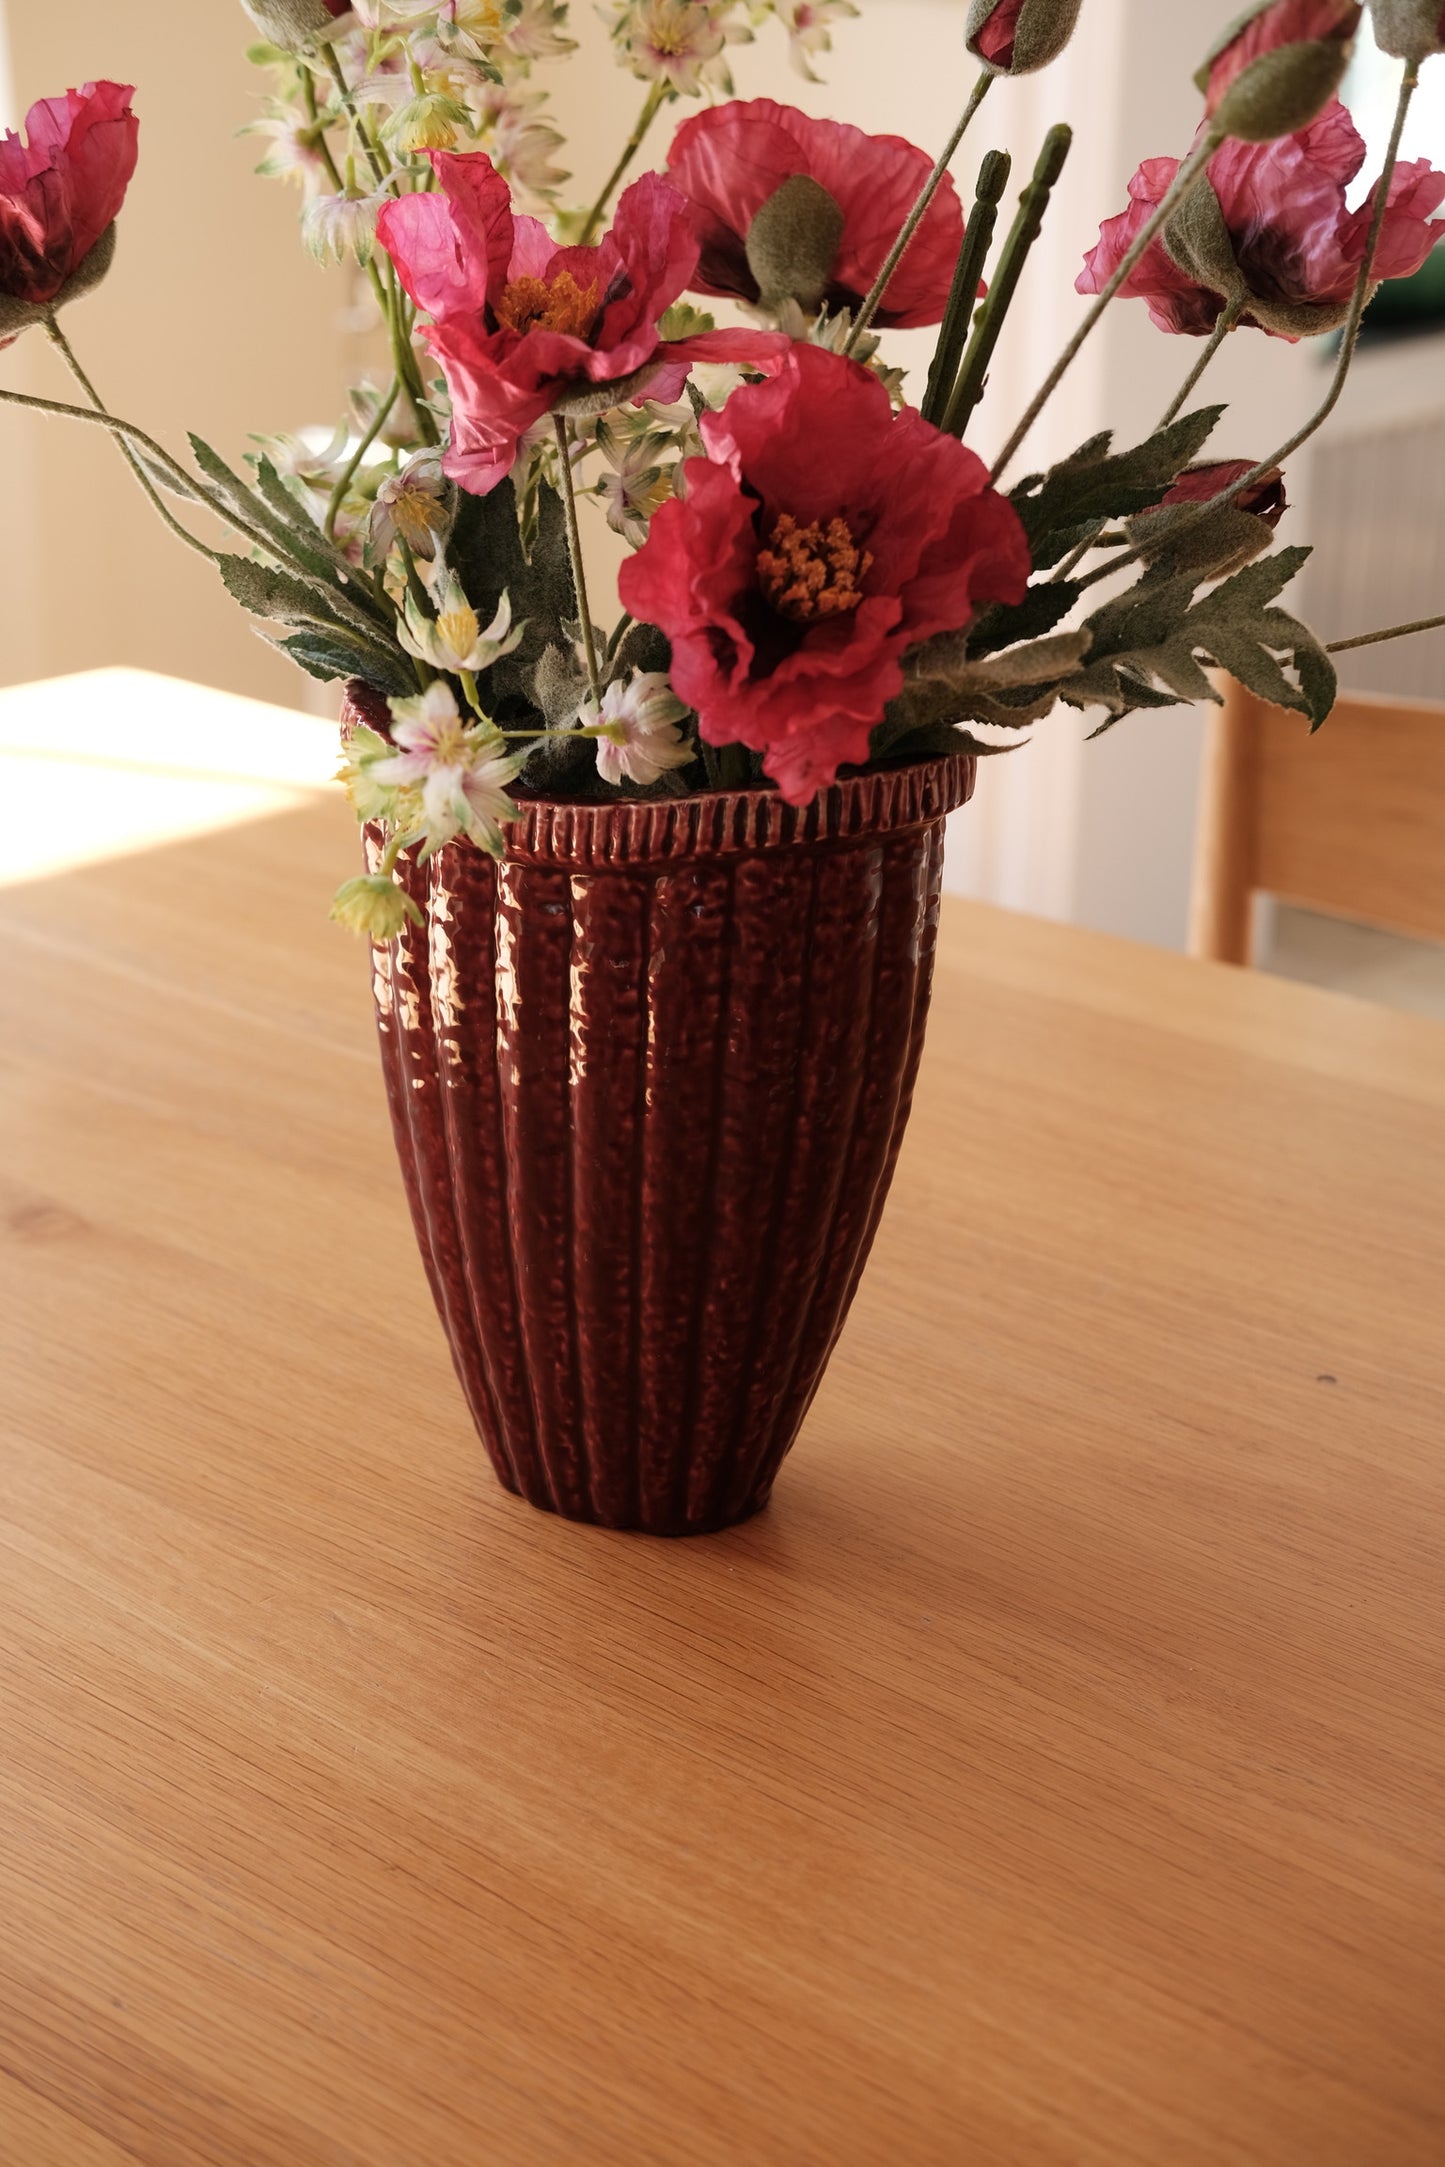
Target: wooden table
[[1054, 1773]]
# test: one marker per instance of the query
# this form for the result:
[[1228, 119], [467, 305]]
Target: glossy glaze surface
[[648, 1080]]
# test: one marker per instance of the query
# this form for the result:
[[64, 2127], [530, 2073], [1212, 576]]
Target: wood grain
[[1350, 821], [1052, 1777]]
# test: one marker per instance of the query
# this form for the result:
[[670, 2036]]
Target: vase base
[[666, 1530]]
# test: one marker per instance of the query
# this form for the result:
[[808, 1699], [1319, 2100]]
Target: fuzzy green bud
[[296, 26], [792, 243], [17, 315], [1277, 67], [1018, 37], [1409, 29], [374, 905]]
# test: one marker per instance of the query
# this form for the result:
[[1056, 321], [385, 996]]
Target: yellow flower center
[[813, 572], [457, 630], [549, 304]]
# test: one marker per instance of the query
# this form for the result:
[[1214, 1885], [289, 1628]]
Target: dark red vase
[[649, 1076]]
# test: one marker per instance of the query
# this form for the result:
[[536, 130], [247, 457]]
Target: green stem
[[574, 549], [1392, 632], [919, 211], [1216, 339], [651, 107], [1185, 180], [1026, 228], [376, 157], [348, 472], [963, 294], [136, 465], [387, 299], [1409, 83]]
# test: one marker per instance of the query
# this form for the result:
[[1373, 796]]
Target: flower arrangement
[[823, 575]]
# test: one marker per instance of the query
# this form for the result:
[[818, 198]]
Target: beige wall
[[213, 319]]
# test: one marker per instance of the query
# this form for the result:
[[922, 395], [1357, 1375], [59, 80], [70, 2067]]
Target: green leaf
[[486, 551], [335, 653], [1149, 643], [298, 541], [1062, 508], [1045, 605]]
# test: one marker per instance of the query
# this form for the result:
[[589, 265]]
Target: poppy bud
[[60, 192], [1017, 37], [1228, 538], [1277, 67], [1409, 29], [296, 25], [792, 243]]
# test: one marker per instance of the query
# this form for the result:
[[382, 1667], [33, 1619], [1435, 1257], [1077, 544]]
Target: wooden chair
[[1350, 821]]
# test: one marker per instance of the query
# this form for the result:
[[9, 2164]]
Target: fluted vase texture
[[648, 1078]]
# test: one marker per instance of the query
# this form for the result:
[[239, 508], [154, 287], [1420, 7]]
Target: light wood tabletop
[[1052, 1777]]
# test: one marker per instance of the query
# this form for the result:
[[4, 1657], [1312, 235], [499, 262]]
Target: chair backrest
[[1350, 821]]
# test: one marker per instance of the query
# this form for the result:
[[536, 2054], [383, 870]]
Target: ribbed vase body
[[648, 1077]]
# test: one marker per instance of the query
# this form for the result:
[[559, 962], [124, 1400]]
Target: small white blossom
[[637, 735], [460, 769], [806, 22], [335, 227], [679, 42], [294, 154], [521, 146], [433, 121], [454, 639], [418, 503], [374, 904]]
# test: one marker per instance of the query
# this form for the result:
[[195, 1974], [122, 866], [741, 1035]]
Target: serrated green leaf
[[487, 553], [1094, 485], [335, 654], [1044, 606]]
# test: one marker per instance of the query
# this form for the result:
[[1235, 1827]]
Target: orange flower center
[[813, 572], [549, 304]]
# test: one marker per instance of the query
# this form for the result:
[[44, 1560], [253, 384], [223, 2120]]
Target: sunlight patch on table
[[109, 762]]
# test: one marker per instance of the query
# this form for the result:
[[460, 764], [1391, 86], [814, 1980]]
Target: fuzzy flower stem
[[136, 465], [375, 156], [651, 107], [1391, 632], [919, 211], [1026, 228], [387, 300], [1171, 412], [574, 550], [1215, 340], [1349, 341], [1185, 180], [348, 472]]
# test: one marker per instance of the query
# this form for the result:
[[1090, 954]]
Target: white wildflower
[[637, 735], [335, 227], [678, 42], [454, 639], [418, 503], [460, 769], [806, 22]]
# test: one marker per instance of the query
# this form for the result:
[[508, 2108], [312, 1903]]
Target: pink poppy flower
[[821, 538], [1276, 24], [729, 161], [1297, 246], [62, 188], [521, 325]]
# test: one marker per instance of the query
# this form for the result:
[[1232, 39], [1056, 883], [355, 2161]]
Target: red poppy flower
[[1278, 23], [1297, 246], [728, 162], [62, 187], [820, 539], [521, 325]]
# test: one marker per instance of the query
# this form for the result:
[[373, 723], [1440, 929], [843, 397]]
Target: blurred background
[[215, 319]]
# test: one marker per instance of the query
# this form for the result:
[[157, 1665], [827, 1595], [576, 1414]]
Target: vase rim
[[590, 832]]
